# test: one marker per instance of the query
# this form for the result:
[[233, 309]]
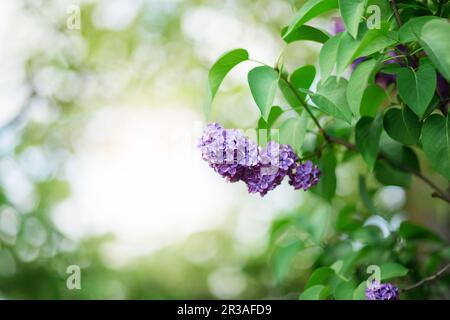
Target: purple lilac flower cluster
[[236, 158], [382, 291]]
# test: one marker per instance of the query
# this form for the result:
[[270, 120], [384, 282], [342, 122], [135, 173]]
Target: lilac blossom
[[382, 291], [236, 158]]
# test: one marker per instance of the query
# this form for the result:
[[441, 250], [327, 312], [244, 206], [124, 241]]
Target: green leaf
[[360, 291], [310, 10], [358, 83], [402, 125], [365, 197], [368, 133], [352, 12], [219, 70], [390, 176], [326, 187], [344, 291], [318, 292], [375, 40], [319, 276], [417, 88], [410, 232], [392, 270], [274, 114], [307, 33], [283, 258], [346, 49], [348, 219], [331, 98], [263, 83], [327, 56], [399, 156], [373, 98], [409, 31], [434, 39], [293, 132], [436, 143], [302, 78]]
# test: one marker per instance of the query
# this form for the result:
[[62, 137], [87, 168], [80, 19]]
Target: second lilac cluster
[[235, 157]]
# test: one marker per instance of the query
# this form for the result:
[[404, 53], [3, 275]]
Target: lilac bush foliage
[[237, 158], [382, 291]]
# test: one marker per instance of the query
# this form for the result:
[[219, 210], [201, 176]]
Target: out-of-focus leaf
[[410, 231], [318, 292], [399, 156], [390, 176], [359, 293], [392, 270], [283, 258], [219, 70], [344, 291], [319, 276], [347, 219]]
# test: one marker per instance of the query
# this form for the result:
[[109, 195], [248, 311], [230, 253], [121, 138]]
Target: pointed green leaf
[[306, 33], [331, 98], [434, 39], [318, 292], [390, 176], [392, 270], [373, 98], [358, 83], [319, 276], [402, 125], [436, 143], [293, 132], [310, 10], [417, 88], [302, 78], [368, 133], [328, 54], [352, 12], [219, 70], [411, 29], [263, 83]]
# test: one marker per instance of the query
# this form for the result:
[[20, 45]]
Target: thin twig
[[428, 279], [395, 9]]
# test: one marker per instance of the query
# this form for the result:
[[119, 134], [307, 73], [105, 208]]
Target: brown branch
[[428, 279], [397, 15]]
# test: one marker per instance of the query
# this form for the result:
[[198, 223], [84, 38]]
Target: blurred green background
[[98, 166]]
